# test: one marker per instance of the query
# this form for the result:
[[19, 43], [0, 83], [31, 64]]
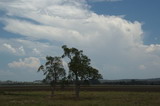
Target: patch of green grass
[[86, 99]]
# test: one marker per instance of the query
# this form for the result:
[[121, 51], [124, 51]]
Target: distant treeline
[[91, 82], [132, 82]]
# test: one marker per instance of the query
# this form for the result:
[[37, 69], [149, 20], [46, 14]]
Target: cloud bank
[[114, 44], [30, 62]]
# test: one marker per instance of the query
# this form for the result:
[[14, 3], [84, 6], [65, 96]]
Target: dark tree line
[[132, 82]]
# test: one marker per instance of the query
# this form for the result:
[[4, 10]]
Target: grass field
[[87, 98]]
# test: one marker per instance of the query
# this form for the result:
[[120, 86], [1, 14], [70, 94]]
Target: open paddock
[[87, 98]]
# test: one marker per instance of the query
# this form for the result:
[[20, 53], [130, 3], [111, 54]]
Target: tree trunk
[[53, 88], [52, 91], [77, 89], [53, 84]]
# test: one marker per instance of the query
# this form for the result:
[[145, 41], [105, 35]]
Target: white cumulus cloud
[[13, 50], [114, 44], [25, 63], [17, 51]]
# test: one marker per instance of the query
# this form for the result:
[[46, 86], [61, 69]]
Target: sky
[[121, 37]]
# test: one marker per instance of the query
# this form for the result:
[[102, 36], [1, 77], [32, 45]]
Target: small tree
[[79, 67], [53, 70]]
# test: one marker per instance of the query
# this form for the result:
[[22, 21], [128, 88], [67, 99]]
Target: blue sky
[[144, 11], [121, 37]]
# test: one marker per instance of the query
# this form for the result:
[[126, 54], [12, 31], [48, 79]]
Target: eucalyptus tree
[[53, 70], [79, 67]]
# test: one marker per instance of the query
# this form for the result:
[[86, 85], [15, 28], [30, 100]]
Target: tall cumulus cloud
[[114, 44]]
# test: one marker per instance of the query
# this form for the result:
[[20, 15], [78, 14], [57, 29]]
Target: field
[[87, 98]]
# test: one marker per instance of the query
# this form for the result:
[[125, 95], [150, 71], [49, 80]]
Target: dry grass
[[39, 98]]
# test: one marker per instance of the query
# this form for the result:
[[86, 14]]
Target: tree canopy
[[79, 67], [53, 70]]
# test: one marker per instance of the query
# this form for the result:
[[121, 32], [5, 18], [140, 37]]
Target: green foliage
[[79, 67], [53, 69]]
